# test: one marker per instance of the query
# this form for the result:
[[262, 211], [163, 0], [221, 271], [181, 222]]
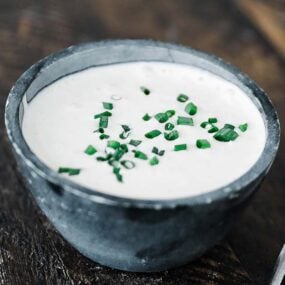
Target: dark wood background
[[31, 252]]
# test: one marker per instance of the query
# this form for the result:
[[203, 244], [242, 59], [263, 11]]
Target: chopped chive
[[103, 136], [182, 98], [170, 113], [113, 144], [204, 125], [229, 126], [103, 123], [104, 114], [126, 132], [226, 134], [116, 171], [203, 144], [154, 161], [145, 90], [63, 170], [73, 171], [185, 121], [135, 142], [171, 136], [108, 106], [191, 109], [104, 158], [161, 117], [124, 147], [126, 128], [152, 134], [243, 127], [213, 129], [90, 150], [100, 130], [169, 126], [128, 164], [146, 117], [179, 147], [69, 171], [140, 154], [156, 151], [212, 120]]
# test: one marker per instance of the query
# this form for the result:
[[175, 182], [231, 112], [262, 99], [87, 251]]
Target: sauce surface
[[59, 124]]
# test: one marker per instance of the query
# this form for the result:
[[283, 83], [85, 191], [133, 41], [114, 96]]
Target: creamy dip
[[59, 124]]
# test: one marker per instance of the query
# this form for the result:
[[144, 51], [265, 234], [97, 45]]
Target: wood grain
[[31, 252], [269, 20]]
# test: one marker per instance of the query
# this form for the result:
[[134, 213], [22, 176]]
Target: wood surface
[[31, 251], [269, 18]]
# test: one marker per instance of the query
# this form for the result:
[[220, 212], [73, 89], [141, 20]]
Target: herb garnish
[[69, 171], [145, 90], [179, 147], [243, 127], [185, 121], [169, 127], [140, 154], [135, 142], [226, 134], [156, 151], [202, 143], [161, 117], [182, 98], [90, 150], [191, 109], [154, 161], [126, 132], [108, 106], [171, 136], [146, 117], [153, 134]]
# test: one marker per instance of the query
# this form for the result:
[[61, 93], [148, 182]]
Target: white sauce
[[58, 125]]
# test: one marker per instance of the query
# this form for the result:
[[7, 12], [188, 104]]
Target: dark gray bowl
[[128, 234]]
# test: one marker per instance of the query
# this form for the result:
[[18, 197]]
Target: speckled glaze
[[128, 234]]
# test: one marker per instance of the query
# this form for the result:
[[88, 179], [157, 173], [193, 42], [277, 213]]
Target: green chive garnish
[[203, 144], [212, 120], [103, 123], [161, 117], [146, 117], [90, 150], [156, 151], [100, 130], [204, 125], [154, 161], [243, 127], [69, 171], [116, 171], [213, 129], [128, 164], [229, 126], [106, 158], [169, 127], [103, 136], [104, 114], [179, 147], [170, 113], [145, 90], [226, 134], [191, 109], [185, 121], [135, 142], [113, 144], [182, 98], [152, 134], [108, 106], [171, 136], [140, 154], [126, 132]]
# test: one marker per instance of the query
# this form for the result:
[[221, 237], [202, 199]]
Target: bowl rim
[[232, 190]]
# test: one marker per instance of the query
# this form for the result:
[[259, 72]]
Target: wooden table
[[31, 252]]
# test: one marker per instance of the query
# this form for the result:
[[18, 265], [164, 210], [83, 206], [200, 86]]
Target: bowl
[[129, 234]]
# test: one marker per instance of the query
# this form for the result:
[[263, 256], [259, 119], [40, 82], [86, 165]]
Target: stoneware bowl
[[128, 234]]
